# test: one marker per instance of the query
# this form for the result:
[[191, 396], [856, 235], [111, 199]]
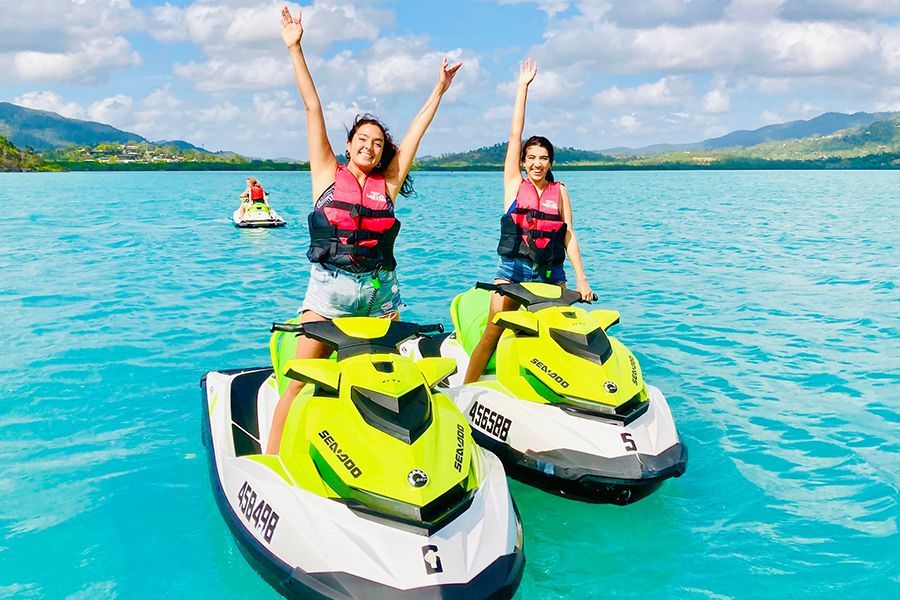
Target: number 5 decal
[[629, 443]]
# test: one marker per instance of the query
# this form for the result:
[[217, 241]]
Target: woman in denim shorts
[[352, 226], [536, 231]]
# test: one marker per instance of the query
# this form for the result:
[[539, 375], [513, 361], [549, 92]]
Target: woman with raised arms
[[536, 230], [352, 226]]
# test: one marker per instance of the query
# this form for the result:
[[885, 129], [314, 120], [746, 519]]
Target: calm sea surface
[[764, 304]]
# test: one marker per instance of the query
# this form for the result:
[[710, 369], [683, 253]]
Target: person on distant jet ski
[[352, 226], [253, 193], [536, 231]]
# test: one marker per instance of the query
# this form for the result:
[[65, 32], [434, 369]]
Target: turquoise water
[[764, 304]]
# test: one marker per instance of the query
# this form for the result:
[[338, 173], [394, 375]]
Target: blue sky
[[216, 73]]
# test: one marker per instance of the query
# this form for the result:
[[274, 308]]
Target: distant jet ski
[[258, 214]]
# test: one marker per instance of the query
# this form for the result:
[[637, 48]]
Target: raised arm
[[322, 163], [399, 168], [572, 249], [512, 172]]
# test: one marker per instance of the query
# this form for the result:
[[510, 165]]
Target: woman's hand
[[585, 290], [527, 71], [445, 78], [291, 28]]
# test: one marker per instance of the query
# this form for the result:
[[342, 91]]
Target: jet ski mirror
[[518, 320], [322, 372], [436, 369], [605, 318]]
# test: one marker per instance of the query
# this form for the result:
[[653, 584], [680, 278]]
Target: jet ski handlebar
[[506, 289], [298, 328], [287, 327]]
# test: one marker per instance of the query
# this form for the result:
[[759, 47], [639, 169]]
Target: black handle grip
[[288, 327], [594, 298], [480, 285], [434, 328]]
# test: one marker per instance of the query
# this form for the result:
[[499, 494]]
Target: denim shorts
[[520, 269], [333, 293]]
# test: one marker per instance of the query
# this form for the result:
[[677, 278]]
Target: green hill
[[876, 145], [873, 146], [493, 156], [825, 124], [14, 159], [44, 130]]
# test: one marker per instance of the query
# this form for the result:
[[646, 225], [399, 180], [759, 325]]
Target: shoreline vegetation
[[876, 146]]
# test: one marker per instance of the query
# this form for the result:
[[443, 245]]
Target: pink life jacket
[[257, 193], [537, 213], [357, 228], [534, 228]]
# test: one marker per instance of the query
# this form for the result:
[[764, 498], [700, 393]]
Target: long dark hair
[[388, 151], [541, 142]]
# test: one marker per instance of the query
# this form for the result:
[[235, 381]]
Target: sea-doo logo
[[610, 387], [340, 454], [633, 370], [417, 478], [550, 373], [460, 446], [432, 560]]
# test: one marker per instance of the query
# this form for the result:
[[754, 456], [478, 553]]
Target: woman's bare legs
[[488, 343], [306, 348]]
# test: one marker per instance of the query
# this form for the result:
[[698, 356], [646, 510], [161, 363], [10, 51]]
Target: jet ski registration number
[[490, 421], [257, 514]]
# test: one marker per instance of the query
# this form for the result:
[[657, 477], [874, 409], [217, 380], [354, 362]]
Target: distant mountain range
[[496, 155], [824, 124], [43, 130], [848, 141]]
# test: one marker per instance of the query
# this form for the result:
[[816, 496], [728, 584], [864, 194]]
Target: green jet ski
[[562, 403], [378, 490]]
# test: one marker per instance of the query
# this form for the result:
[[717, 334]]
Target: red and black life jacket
[[257, 193], [356, 229], [534, 228]]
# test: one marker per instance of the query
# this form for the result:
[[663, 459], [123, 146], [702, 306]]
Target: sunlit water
[[764, 304]]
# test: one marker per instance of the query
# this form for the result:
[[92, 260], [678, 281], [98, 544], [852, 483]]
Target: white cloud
[[52, 102], [55, 26], [889, 100], [219, 114], [244, 46], [628, 124], [234, 30], [890, 50], [650, 13], [162, 115], [90, 62], [815, 10], [753, 11], [814, 48], [716, 101], [249, 75], [769, 117], [667, 91], [114, 110], [551, 7], [547, 85], [278, 108]]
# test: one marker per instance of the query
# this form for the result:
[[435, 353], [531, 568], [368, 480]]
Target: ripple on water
[[762, 304]]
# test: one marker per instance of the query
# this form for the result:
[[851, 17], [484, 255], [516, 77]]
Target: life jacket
[[357, 228], [257, 193], [533, 228]]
